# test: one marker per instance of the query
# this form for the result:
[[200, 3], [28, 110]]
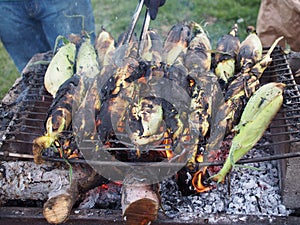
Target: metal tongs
[[134, 20]]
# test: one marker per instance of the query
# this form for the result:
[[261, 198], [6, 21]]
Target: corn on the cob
[[60, 68], [244, 86], [198, 55], [225, 56], [86, 59], [203, 105], [176, 42], [105, 48], [84, 119], [151, 48], [256, 117], [250, 51], [59, 117], [146, 125], [200, 106], [117, 93]]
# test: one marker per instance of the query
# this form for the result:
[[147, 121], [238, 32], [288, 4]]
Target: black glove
[[153, 6]]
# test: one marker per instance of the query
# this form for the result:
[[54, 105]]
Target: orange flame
[[198, 176], [197, 182], [168, 148], [192, 82], [199, 158]]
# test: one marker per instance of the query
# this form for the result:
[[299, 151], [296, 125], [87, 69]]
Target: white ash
[[252, 191]]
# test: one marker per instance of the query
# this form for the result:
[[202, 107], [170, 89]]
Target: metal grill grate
[[31, 105], [285, 126], [23, 116]]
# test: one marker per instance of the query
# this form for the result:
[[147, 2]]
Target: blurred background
[[217, 16]]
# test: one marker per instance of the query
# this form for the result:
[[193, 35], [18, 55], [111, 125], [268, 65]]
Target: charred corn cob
[[256, 117], [84, 120], [117, 93], [151, 48], [147, 122], [61, 67], [198, 55], [250, 51], [105, 48], [176, 42], [58, 119], [206, 102], [226, 54], [200, 107], [244, 86]]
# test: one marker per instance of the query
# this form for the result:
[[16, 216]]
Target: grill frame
[[34, 216]]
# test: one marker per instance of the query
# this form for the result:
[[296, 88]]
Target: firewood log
[[24, 180], [140, 201], [28, 181], [60, 203]]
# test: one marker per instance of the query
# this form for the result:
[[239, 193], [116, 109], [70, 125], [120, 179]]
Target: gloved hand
[[153, 6]]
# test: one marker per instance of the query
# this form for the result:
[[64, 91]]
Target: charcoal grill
[[24, 109]]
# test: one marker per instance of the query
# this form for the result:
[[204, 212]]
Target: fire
[[199, 158], [169, 154], [198, 177], [167, 143], [192, 82], [197, 181]]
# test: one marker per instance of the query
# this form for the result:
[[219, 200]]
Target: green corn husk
[[60, 68], [86, 60], [257, 115]]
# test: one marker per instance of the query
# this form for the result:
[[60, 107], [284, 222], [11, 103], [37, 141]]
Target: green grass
[[217, 16], [8, 72]]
